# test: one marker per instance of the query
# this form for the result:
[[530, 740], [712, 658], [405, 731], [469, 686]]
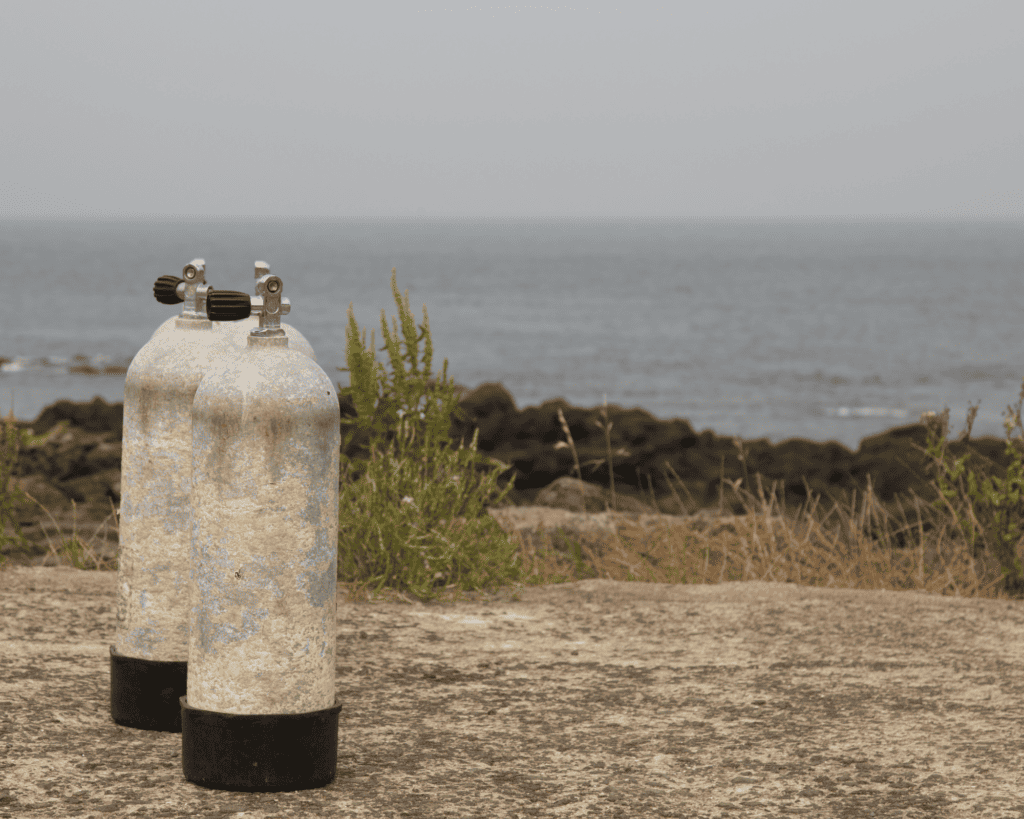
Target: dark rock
[[575, 495], [669, 458], [988, 450], [94, 416], [893, 461], [70, 446], [490, 407], [797, 464], [71, 453], [540, 424], [528, 439], [93, 488], [897, 462], [104, 455]]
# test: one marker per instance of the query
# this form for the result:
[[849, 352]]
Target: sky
[[740, 109]]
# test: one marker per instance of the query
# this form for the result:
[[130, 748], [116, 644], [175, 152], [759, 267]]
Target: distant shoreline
[[651, 456], [901, 421]]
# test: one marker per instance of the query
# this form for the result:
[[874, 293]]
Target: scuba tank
[[261, 714], [238, 331], [150, 650]]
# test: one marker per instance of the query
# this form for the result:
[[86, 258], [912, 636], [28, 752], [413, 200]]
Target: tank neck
[[267, 341], [192, 322]]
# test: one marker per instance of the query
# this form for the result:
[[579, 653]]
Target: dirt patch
[[590, 699]]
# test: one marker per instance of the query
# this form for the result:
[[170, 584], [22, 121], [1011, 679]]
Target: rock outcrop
[[71, 478], [575, 495], [669, 459], [92, 416]]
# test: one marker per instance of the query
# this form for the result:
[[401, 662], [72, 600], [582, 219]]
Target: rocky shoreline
[[74, 472], [893, 460]]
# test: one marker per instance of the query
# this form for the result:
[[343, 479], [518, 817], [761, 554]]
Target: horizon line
[[408, 219]]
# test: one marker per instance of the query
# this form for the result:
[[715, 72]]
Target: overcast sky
[[736, 110]]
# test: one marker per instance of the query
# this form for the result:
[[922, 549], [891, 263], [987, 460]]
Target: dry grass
[[861, 546], [66, 547]]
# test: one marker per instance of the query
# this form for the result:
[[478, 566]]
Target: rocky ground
[[590, 699]]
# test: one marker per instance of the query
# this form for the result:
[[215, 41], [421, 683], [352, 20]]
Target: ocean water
[[825, 330]]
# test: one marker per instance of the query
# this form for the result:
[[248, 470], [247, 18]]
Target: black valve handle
[[228, 305], [166, 290]]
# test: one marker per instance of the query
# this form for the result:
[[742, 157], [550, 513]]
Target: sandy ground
[[596, 698]]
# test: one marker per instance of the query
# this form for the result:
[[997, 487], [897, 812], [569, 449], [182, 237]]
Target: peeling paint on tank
[[153, 576], [221, 633], [319, 580], [229, 588], [175, 517], [140, 642]]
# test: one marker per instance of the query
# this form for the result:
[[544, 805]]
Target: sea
[[826, 330]]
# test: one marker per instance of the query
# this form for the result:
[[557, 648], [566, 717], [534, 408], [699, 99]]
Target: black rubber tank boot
[[259, 752], [146, 694]]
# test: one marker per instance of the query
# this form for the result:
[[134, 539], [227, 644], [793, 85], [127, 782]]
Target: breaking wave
[[866, 412], [73, 365]]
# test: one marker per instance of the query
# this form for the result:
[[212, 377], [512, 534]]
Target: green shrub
[[381, 399], [986, 500], [412, 512], [12, 440]]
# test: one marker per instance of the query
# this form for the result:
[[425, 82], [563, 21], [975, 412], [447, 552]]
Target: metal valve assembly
[[170, 290]]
